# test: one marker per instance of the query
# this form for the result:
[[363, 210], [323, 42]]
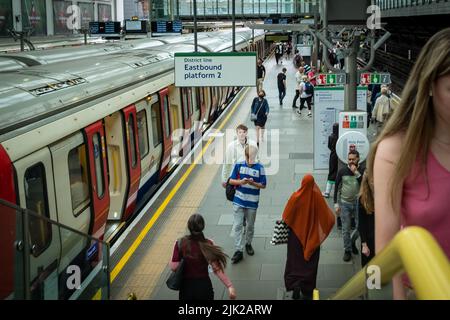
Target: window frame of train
[[142, 132], [87, 201], [157, 131], [167, 122], [98, 164], [48, 234], [132, 142]]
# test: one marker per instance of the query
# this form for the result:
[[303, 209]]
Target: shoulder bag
[[254, 116], [176, 277], [280, 233], [230, 190]]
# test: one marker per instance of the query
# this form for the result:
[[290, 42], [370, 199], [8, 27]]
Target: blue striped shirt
[[247, 196]]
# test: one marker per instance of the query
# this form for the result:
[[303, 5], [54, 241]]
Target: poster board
[[328, 102]]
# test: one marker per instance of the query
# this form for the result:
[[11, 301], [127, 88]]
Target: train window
[[78, 177], [98, 164], [132, 141], [142, 132], [191, 101], [156, 124], [36, 201], [166, 116], [184, 102]]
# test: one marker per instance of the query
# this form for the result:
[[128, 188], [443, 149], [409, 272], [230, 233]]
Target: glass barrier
[[42, 259]]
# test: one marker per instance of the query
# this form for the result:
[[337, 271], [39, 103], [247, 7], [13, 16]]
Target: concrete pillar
[[17, 13], [50, 21], [351, 69]]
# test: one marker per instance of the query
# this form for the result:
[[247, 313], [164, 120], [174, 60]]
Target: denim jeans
[[250, 216], [347, 211], [281, 94]]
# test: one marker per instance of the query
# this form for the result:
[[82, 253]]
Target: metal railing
[[414, 251], [42, 259]]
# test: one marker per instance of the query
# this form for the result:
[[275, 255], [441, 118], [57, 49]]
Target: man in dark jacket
[[348, 181]]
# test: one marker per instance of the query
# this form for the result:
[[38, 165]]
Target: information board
[[162, 26], [328, 102], [104, 28], [217, 69]]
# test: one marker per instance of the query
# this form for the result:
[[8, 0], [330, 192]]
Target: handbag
[[176, 277], [254, 116], [280, 233], [230, 190]]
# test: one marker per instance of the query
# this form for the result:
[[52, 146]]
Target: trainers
[[299, 112], [238, 256], [347, 256], [249, 249], [309, 114]]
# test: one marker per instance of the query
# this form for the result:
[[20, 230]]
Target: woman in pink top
[[410, 161], [199, 255]]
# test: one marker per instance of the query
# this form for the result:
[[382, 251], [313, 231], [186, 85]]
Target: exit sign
[[326, 79], [375, 78]]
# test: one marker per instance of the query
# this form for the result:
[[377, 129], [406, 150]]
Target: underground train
[[86, 141]]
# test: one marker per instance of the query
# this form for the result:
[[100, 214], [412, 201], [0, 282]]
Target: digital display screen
[[276, 21], [108, 27], [133, 25], [167, 26]]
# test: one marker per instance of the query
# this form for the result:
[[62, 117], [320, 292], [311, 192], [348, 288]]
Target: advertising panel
[[6, 21], [104, 12], [87, 14], [35, 16], [60, 16]]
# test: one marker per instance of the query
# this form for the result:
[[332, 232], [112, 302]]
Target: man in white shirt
[[236, 152], [298, 78]]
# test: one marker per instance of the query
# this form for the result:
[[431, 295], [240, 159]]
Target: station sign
[[217, 69], [375, 78], [352, 140], [327, 79]]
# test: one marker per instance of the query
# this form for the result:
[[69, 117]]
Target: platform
[[144, 269]]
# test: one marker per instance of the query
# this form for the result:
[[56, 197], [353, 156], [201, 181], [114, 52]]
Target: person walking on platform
[[366, 221], [382, 109], [249, 177], [310, 220], [278, 52], [298, 79], [260, 75], [348, 181], [199, 255], [259, 113], [306, 93], [281, 81], [236, 152], [409, 162], [333, 160], [297, 61]]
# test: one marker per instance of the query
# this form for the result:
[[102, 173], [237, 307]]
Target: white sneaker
[[309, 114]]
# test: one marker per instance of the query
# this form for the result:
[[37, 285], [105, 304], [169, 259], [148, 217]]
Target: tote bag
[[176, 277], [254, 116], [280, 233]]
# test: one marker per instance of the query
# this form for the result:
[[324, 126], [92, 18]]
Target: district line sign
[[218, 69]]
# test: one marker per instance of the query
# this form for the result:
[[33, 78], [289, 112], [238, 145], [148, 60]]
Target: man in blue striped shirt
[[249, 177]]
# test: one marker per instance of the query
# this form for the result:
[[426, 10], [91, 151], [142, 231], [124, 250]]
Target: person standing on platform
[[260, 75], [249, 177], [366, 221], [199, 253], [236, 152], [278, 52], [298, 79], [348, 181], [382, 109], [310, 220], [260, 108], [333, 160], [409, 162], [281, 81], [306, 93]]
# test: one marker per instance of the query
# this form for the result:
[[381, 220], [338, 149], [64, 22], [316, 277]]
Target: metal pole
[[325, 32], [352, 72], [233, 17], [195, 25]]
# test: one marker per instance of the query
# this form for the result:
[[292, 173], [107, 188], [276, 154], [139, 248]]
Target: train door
[[133, 160], [95, 139], [201, 103], [208, 103], [36, 192], [167, 130], [73, 196]]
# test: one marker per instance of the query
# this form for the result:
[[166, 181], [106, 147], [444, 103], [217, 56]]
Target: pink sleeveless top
[[429, 209]]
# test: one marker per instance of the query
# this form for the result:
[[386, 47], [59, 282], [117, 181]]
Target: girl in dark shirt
[[199, 253]]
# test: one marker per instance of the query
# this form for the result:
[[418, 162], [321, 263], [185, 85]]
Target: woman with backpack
[[306, 94], [259, 113], [199, 255]]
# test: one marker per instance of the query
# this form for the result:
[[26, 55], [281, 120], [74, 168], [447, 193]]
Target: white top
[[235, 153], [302, 90], [298, 78]]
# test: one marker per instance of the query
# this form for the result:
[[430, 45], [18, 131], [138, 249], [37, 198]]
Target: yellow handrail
[[415, 251]]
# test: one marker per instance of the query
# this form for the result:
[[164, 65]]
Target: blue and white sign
[[218, 69]]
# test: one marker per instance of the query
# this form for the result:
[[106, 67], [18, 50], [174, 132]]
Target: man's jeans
[[347, 211], [281, 94], [250, 216]]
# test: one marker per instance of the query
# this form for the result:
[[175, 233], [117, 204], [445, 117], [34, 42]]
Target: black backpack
[[309, 88]]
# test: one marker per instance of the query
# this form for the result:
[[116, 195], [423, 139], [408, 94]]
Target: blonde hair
[[414, 117]]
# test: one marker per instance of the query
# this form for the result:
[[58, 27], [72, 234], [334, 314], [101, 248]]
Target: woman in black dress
[[260, 108]]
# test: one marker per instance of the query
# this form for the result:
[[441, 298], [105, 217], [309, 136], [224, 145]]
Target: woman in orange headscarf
[[310, 220]]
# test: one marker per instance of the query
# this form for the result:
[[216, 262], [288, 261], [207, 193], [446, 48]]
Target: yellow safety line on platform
[[123, 261]]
